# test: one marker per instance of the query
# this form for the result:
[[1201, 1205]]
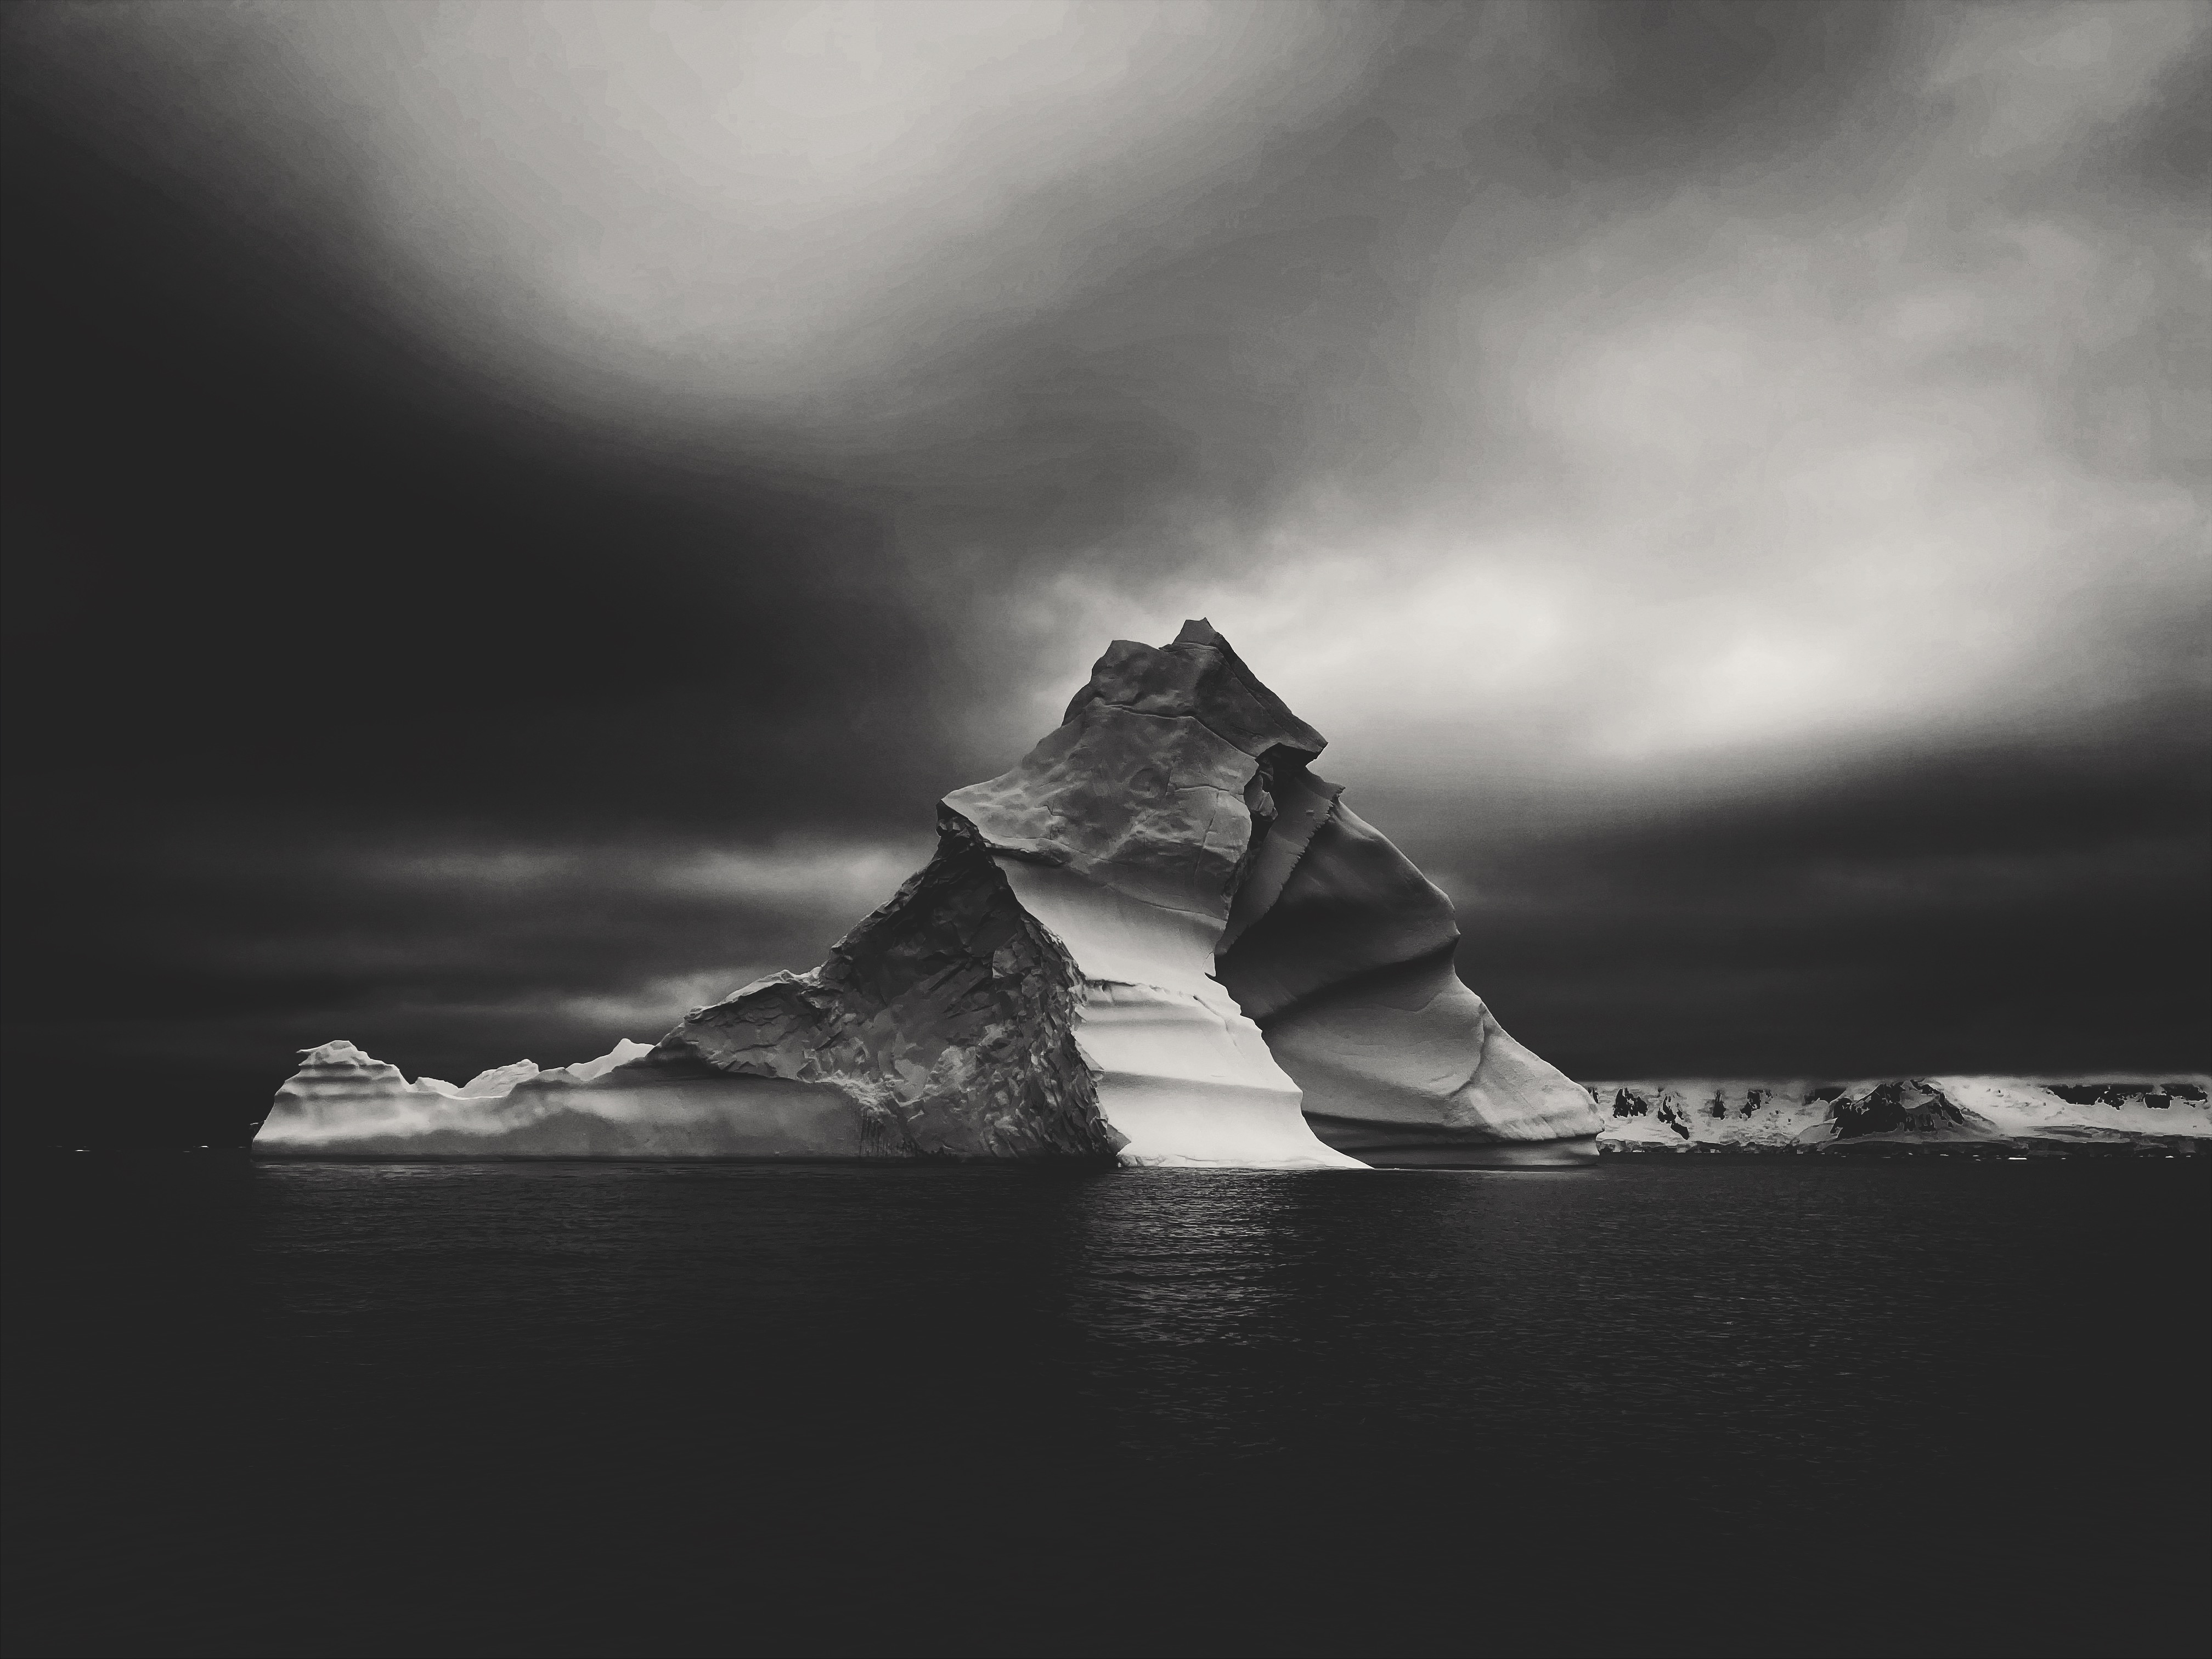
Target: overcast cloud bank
[[488, 483]]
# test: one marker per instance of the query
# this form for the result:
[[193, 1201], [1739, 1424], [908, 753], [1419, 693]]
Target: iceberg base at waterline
[[341, 1103]]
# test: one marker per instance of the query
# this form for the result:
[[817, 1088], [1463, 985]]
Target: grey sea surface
[[1644, 1406]]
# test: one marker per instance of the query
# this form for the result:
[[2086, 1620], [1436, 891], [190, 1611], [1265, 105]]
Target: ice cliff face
[[1346, 961], [1158, 936], [1959, 1113], [945, 1021]]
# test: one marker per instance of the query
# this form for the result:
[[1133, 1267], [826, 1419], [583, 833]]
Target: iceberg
[[1159, 939]]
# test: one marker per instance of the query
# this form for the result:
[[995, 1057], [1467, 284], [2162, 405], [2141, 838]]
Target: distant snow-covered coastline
[[1924, 1114]]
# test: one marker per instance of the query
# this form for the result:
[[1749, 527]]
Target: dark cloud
[[512, 514], [1978, 911], [266, 556]]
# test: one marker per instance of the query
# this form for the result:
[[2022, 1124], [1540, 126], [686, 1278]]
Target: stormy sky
[[515, 511]]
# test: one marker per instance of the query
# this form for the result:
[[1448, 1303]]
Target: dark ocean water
[[1908, 1408]]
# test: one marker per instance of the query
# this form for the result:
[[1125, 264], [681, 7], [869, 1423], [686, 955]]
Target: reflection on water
[[1169, 1272], [500, 1407], [1178, 1257]]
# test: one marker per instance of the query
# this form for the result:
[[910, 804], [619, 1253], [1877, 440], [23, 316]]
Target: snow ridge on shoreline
[[1997, 1113]]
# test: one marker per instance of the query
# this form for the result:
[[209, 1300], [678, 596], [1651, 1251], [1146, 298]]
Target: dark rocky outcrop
[[1902, 1106]]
